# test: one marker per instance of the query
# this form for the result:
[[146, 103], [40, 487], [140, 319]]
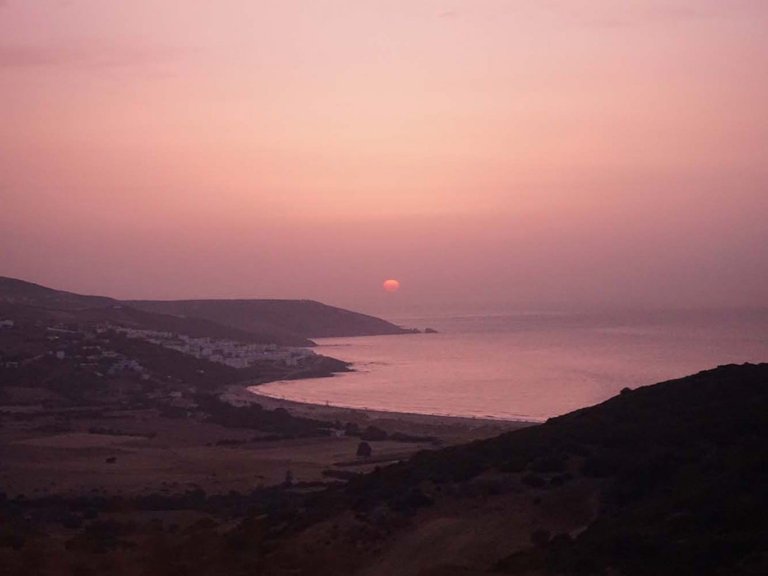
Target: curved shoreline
[[487, 417], [241, 394]]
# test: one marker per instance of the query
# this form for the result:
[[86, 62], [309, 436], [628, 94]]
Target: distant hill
[[282, 322], [21, 292], [127, 317], [305, 317]]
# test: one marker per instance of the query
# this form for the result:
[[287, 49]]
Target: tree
[[364, 450]]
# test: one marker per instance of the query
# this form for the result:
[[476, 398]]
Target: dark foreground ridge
[[665, 479], [281, 322], [681, 466]]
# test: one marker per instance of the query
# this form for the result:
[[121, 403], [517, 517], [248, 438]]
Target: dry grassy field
[[141, 452]]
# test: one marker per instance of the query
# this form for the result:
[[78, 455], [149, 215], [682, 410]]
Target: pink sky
[[483, 152]]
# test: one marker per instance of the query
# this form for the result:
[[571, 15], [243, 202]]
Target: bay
[[527, 365]]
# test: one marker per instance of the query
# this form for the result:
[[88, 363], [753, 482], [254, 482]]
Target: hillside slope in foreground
[[665, 479]]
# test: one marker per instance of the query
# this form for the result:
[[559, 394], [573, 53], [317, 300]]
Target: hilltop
[[20, 292], [282, 322], [307, 318]]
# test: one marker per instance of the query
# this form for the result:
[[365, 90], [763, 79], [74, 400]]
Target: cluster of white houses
[[229, 352]]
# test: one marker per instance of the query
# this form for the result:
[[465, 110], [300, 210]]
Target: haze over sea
[[531, 365]]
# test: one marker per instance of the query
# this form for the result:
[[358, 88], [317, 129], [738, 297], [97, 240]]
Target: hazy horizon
[[483, 153]]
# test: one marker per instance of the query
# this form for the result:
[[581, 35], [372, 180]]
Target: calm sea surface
[[529, 366]]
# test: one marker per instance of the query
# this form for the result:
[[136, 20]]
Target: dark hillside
[[684, 470], [282, 322], [20, 292], [305, 317], [191, 326], [120, 315]]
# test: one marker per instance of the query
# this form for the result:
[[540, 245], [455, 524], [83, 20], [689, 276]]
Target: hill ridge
[[287, 322]]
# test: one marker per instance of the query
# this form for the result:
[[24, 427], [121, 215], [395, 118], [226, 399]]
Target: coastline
[[461, 427]]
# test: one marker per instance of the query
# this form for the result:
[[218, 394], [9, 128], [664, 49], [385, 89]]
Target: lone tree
[[364, 450]]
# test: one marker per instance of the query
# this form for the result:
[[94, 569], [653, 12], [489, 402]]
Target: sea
[[529, 365]]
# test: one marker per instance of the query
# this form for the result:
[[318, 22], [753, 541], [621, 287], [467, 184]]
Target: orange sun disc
[[391, 285]]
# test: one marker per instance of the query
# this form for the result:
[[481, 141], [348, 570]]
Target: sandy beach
[[448, 429]]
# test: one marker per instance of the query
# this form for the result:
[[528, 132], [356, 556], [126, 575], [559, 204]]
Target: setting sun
[[391, 285]]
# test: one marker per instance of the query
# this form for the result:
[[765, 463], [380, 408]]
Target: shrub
[[364, 450]]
